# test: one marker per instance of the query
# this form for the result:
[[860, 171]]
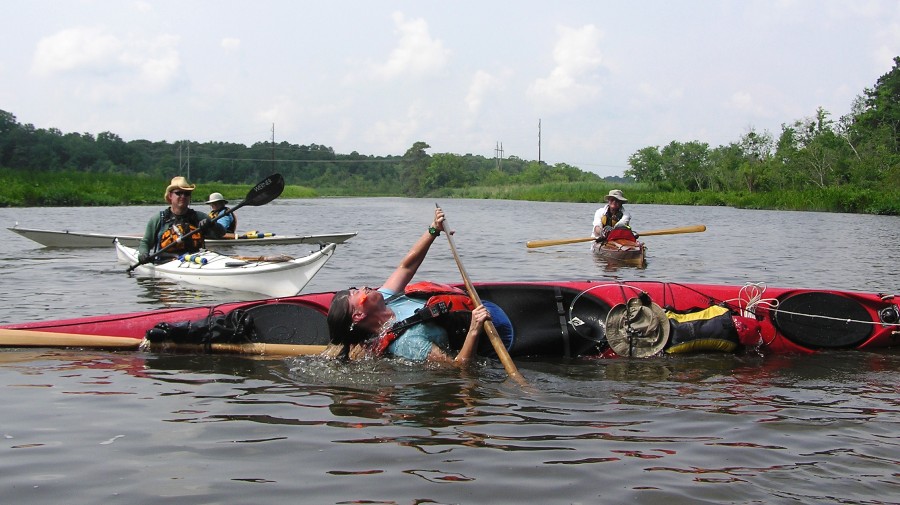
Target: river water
[[134, 427]]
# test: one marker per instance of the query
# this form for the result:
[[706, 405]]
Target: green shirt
[[164, 219]]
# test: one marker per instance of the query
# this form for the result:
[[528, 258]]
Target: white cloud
[[482, 84], [755, 106], [653, 96], [157, 61], [396, 135], [131, 64], [741, 100], [282, 111], [231, 43], [416, 53], [573, 80], [80, 48], [143, 7]]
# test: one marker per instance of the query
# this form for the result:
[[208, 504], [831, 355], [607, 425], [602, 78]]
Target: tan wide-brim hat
[[637, 328], [179, 183], [617, 194], [216, 197]]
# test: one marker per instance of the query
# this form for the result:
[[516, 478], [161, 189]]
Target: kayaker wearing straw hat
[[612, 215], [177, 220], [218, 204]]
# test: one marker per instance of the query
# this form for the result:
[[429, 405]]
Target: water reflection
[[35, 362], [611, 266], [168, 294]]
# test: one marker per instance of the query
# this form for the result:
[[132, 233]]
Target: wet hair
[[341, 330]]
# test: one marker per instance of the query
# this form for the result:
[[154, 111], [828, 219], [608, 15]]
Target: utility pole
[[273, 147], [181, 164], [498, 156], [539, 141]]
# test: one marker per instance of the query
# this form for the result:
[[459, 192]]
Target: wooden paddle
[[489, 328], [671, 231], [264, 192], [33, 338]]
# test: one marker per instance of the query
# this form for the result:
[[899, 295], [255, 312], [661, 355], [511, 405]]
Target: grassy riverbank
[[837, 199], [80, 189]]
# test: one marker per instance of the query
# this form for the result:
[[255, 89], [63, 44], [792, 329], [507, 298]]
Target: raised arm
[[414, 258]]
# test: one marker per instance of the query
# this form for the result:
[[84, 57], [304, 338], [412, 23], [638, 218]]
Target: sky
[[587, 83]]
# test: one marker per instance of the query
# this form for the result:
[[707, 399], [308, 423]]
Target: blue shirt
[[415, 343], [225, 222]]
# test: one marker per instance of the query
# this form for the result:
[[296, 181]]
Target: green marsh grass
[[57, 189]]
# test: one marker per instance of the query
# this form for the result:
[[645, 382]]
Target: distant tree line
[[860, 149], [415, 173]]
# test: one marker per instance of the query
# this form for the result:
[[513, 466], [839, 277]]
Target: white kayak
[[277, 276], [66, 238]]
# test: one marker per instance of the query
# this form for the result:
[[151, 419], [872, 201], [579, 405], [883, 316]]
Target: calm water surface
[[105, 427]]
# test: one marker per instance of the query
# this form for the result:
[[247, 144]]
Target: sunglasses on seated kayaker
[[181, 193]]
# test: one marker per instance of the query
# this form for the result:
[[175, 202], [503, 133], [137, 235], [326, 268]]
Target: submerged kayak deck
[[567, 318]]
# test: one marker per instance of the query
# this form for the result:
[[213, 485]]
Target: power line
[[363, 160]]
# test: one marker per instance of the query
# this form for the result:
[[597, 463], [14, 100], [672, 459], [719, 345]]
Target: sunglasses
[[181, 193], [363, 295]]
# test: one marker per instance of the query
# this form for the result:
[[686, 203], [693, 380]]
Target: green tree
[[646, 166], [446, 171], [415, 163], [881, 108], [756, 149], [818, 153], [874, 131], [725, 162], [686, 165]]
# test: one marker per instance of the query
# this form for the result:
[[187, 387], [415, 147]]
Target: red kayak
[[621, 246], [549, 319]]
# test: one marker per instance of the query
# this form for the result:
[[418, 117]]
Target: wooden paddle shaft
[[531, 244], [670, 231], [33, 338], [674, 231], [489, 327], [263, 349]]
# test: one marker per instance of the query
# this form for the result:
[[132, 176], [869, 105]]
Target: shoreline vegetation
[[817, 163], [77, 189]]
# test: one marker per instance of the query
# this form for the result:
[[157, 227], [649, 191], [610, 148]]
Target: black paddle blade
[[265, 191]]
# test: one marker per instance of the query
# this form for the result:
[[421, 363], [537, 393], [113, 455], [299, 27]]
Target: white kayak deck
[[276, 277]]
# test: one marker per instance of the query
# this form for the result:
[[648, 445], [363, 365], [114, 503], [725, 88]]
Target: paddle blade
[[265, 191]]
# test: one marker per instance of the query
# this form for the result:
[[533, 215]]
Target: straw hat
[[637, 328], [617, 194], [179, 183], [216, 197]]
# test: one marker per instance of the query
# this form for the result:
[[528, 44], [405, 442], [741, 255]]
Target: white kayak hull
[[66, 238], [276, 279]]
